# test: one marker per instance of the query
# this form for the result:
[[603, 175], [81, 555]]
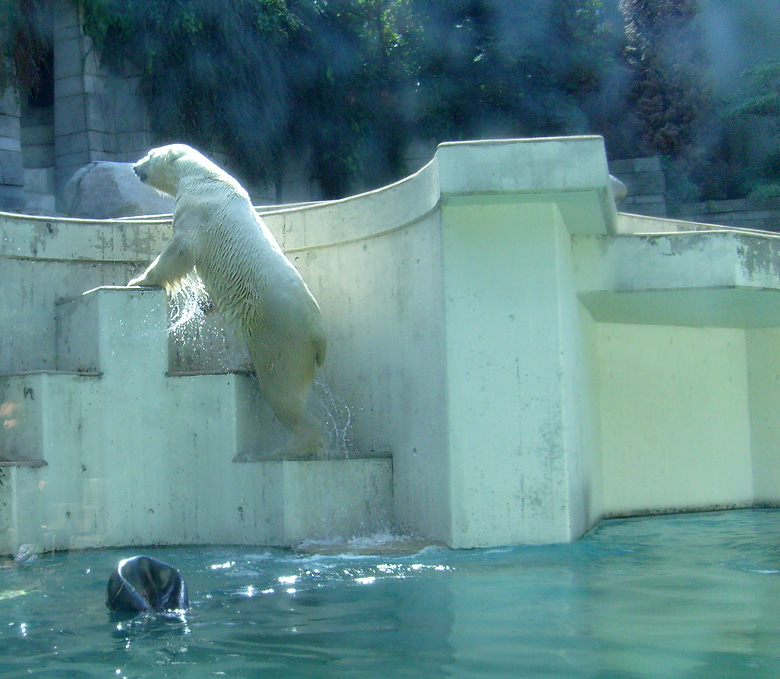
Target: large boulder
[[106, 190]]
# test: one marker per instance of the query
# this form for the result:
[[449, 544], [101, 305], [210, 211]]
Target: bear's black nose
[[139, 173]]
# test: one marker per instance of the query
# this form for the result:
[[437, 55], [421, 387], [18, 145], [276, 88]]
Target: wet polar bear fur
[[218, 234]]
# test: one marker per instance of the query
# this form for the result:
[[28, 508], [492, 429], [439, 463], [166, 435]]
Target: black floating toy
[[142, 584]]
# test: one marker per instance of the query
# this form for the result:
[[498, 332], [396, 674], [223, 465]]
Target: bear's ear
[[174, 153]]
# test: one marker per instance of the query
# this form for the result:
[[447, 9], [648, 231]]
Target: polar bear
[[218, 234]]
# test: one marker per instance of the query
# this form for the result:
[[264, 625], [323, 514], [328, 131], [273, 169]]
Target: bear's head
[[163, 167]]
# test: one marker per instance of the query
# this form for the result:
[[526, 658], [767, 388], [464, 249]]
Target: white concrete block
[[321, 502], [137, 457], [571, 170]]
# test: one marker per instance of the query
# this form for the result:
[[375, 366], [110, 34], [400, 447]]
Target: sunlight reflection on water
[[682, 596]]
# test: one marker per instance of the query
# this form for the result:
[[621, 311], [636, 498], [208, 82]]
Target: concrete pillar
[[514, 452], [516, 358]]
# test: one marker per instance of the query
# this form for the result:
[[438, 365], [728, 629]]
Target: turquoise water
[[682, 596]]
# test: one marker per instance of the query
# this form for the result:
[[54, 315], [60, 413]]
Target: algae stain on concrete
[[760, 258]]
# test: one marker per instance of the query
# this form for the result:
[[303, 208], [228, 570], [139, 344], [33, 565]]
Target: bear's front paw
[[141, 282]]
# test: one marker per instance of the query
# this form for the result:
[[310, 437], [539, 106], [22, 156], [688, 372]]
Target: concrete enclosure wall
[[495, 328], [675, 405]]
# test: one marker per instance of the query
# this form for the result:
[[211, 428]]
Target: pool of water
[[680, 596]]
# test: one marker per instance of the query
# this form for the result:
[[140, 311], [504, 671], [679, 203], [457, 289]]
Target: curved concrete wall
[[492, 325]]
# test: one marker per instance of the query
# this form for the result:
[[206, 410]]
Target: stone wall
[[85, 114], [645, 183], [644, 179], [97, 115], [748, 213], [11, 173], [37, 146]]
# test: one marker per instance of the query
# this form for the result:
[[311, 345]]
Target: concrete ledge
[[645, 225], [696, 308], [557, 164], [272, 503], [574, 169], [61, 239], [708, 278], [570, 172]]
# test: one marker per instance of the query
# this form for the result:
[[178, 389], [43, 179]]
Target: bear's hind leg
[[306, 440], [285, 375], [290, 406]]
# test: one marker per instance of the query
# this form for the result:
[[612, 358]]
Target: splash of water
[[336, 418], [188, 301], [200, 340]]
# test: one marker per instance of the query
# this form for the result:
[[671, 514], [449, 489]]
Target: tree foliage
[[663, 48], [759, 97], [494, 68], [213, 73], [348, 83], [345, 86], [761, 91], [24, 47]]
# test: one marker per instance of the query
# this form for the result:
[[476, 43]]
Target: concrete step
[[113, 450]]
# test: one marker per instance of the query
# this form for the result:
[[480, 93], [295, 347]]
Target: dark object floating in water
[[142, 584]]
